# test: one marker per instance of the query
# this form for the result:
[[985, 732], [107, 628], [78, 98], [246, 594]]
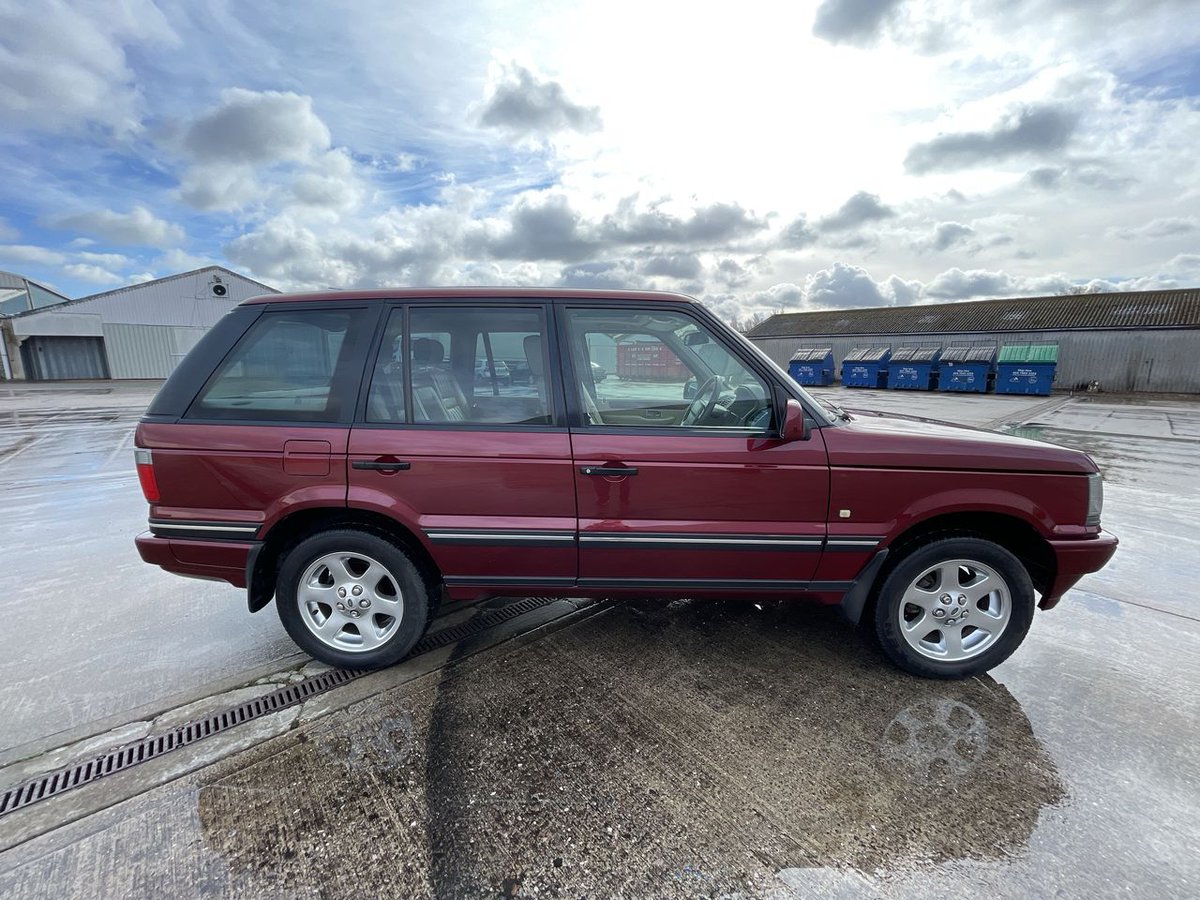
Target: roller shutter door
[[59, 358]]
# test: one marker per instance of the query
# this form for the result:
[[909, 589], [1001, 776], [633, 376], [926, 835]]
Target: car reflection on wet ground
[[709, 749]]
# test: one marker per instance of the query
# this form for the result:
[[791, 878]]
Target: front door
[[681, 481], [460, 438]]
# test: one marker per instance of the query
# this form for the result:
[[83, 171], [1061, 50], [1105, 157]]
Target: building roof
[[1129, 309], [19, 294], [141, 285]]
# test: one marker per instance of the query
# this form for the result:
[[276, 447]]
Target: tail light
[[145, 470]]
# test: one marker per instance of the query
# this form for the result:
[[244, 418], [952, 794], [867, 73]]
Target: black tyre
[[352, 599], [954, 607]]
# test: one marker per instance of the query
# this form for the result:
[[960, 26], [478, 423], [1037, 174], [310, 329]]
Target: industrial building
[[17, 295], [1129, 341], [139, 331]]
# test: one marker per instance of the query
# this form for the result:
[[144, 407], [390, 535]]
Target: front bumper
[[210, 560], [1075, 559]]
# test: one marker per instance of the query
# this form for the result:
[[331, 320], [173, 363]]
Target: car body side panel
[[753, 508], [240, 472], [485, 504]]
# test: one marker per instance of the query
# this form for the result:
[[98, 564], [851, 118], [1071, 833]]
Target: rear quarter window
[[292, 366]]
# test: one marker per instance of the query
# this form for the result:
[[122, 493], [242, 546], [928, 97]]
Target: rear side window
[[292, 365]]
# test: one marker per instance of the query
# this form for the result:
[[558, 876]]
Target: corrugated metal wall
[[58, 358], [147, 351], [1148, 360]]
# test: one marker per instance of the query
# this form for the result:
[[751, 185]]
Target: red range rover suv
[[361, 456]]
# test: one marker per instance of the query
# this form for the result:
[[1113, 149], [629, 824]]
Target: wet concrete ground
[[698, 749], [92, 632]]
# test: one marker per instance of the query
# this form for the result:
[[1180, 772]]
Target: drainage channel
[[126, 756]]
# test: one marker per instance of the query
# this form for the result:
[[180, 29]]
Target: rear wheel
[[352, 599], [954, 607]]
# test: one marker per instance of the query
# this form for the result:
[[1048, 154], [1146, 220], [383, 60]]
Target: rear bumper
[[1076, 559], [211, 560]]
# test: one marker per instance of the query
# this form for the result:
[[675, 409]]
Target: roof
[[475, 293], [916, 354], [974, 353], [867, 354], [188, 274], [812, 354], [141, 285], [1029, 353], [1127, 309], [14, 287]]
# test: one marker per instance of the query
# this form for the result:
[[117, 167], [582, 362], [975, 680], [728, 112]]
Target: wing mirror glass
[[795, 422]]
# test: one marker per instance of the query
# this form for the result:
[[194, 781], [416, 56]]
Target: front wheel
[[954, 607], [352, 599]]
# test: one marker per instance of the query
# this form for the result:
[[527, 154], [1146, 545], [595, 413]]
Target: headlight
[[1095, 499]]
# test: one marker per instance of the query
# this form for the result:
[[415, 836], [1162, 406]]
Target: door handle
[[608, 470], [381, 465]]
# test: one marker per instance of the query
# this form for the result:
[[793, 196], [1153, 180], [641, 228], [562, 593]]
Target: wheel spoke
[[330, 628], [387, 606], [370, 634], [952, 640], [927, 600], [316, 593], [338, 569], [948, 576], [980, 587], [374, 575]]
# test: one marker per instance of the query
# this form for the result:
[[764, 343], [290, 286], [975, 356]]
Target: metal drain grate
[[56, 782]]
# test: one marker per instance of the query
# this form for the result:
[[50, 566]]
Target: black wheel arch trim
[[855, 599]]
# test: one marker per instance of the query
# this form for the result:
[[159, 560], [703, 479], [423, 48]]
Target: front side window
[[661, 369], [290, 366], [478, 366]]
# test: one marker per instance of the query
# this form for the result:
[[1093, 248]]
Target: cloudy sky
[[759, 155]]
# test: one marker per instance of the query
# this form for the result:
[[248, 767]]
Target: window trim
[[577, 421]]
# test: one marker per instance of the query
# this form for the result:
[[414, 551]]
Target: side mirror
[[795, 422]]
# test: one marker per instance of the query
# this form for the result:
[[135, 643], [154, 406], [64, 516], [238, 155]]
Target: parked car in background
[[347, 455], [498, 371], [599, 373]]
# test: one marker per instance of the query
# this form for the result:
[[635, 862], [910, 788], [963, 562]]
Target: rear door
[[681, 480], [476, 462]]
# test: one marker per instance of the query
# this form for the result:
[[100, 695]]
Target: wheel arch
[[263, 565], [1009, 531]]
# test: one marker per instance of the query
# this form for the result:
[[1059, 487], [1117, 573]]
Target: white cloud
[[254, 127], [27, 253], [91, 273], [523, 104], [1156, 229], [64, 65], [269, 149], [138, 227]]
